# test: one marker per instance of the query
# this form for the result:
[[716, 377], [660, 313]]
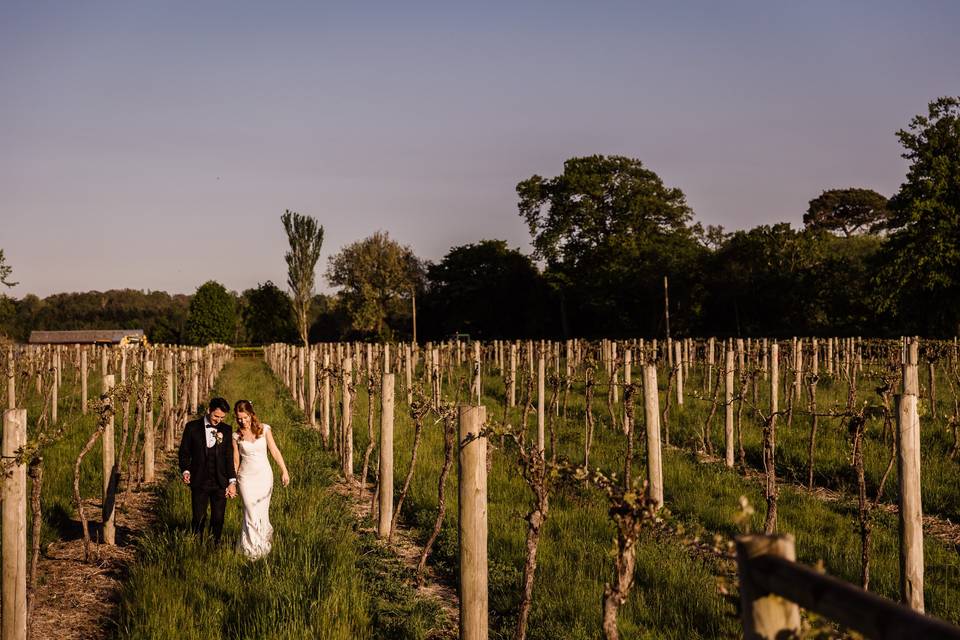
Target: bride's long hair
[[255, 427]]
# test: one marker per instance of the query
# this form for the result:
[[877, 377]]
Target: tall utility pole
[[413, 301], [666, 305]]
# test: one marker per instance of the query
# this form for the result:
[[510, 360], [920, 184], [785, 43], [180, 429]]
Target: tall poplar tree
[[306, 239]]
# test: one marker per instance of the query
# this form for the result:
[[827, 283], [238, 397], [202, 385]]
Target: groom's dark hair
[[219, 403]]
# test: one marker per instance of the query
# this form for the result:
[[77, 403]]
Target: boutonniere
[[219, 437]]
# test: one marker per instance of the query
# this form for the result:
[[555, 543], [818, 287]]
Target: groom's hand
[[231, 491], [186, 477]]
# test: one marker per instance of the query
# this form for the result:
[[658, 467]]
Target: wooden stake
[[541, 365], [651, 413], [14, 543], [347, 420], [312, 387], [728, 370], [11, 380], [678, 354], [765, 616], [472, 504], [386, 455], [109, 472], [83, 381], [908, 457], [149, 433], [194, 381]]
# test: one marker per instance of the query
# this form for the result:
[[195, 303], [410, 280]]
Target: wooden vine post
[[11, 380], [473, 524], [312, 387], [149, 432], [325, 401], [347, 419], [765, 615], [109, 460], [386, 455], [541, 397], [168, 434], [728, 370], [14, 544], [911, 513], [83, 381], [678, 356], [651, 412], [194, 381]]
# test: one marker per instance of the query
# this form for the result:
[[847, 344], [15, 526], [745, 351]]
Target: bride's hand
[[285, 478]]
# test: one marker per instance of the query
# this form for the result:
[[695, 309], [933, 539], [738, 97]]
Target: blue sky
[[155, 145]]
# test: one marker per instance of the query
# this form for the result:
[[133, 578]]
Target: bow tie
[[211, 432]]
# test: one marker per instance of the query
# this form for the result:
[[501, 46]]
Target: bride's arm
[[236, 454], [275, 452]]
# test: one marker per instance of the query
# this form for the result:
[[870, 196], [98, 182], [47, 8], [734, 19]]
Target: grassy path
[[322, 580]]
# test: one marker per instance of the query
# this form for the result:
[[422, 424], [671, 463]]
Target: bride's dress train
[[255, 482]]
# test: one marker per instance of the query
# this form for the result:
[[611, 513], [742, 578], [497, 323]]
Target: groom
[[206, 464]]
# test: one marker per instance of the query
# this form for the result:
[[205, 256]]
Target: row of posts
[[204, 365]]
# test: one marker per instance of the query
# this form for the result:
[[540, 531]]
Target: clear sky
[[154, 145]]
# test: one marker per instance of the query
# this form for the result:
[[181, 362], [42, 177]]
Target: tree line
[[616, 253]]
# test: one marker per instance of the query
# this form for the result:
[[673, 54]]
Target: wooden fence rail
[[767, 569]]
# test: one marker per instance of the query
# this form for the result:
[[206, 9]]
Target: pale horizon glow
[[154, 146]]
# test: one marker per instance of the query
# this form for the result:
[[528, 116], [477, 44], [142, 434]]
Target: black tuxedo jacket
[[194, 453]]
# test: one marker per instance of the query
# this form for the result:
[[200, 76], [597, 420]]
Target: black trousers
[[200, 498]]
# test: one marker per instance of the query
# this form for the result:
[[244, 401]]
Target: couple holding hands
[[217, 463]]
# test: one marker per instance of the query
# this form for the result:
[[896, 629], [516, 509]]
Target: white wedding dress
[[255, 482]]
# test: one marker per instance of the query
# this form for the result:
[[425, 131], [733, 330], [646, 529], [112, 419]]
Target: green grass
[[675, 594], [322, 579]]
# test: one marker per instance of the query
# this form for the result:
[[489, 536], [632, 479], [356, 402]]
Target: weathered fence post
[[168, 434], [765, 616], [728, 370], [473, 524], [14, 608], [774, 377], [11, 380], [325, 401], [513, 374], [194, 381], [678, 354], [911, 512], [347, 419], [386, 455], [149, 433], [651, 413], [109, 459], [83, 381], [55, 387], [541, 415], [312, 387]]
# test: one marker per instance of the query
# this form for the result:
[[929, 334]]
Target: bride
[[251, 442]]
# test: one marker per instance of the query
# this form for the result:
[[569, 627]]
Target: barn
[[121, 337]]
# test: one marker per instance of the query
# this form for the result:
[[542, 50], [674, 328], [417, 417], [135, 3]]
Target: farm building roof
[[86, 336]]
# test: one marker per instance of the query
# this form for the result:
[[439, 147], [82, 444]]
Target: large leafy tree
[[609, 230], [306, 238], [463, 285], [378, 276], [268, 315], [848, 211], [5, 271], [7, 307], [212, 316], [921, 269]]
